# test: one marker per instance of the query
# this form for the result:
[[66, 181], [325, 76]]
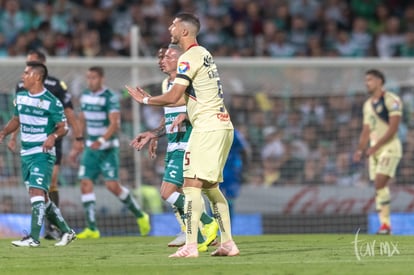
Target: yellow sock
[[383, 199], [193, 209], [385, 213], [220, 209]]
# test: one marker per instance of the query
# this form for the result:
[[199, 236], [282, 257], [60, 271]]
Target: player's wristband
[[145, 100], [101, 140], [79, 138], [55, 135]]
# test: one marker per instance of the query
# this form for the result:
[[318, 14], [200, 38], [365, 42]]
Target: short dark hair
[[39, 68], [98, 69], [176, 48], [41, 57], [377, 74], [189, 18]]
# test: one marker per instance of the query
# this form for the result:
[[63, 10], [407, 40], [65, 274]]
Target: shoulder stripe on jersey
[[183, 76]]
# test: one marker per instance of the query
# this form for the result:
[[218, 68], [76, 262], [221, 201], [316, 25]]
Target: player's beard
[[174, 40]]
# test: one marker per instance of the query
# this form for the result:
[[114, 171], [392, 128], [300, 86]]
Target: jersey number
[[187, 158]]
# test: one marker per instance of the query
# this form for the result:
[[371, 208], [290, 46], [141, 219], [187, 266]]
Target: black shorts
[[58, 146]]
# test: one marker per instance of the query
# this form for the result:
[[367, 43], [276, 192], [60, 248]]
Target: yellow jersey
[[204, 95], [376, 116]]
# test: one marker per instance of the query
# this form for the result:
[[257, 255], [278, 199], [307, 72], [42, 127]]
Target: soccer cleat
[[202, 247], [144, 224], [384, 230], [210, 232], [186, 251], [178, 241], [67, 238], [88, 234], [228, 248], [27, 241]]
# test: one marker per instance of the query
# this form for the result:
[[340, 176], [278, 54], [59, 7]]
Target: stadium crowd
[[305, 140], [275, 28]]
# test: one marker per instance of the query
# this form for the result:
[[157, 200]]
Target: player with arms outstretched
[[210, 141]]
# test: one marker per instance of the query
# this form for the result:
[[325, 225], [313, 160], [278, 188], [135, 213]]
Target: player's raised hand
[[137, 93], [141, 139], [177, 122]]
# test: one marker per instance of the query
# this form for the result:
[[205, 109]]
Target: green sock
[[38, 214], [89, 208], [132, 206], [200, 238], [179, 203], [54, 215], [206, 219]]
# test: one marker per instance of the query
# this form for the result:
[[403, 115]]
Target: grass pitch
[[268, 254]]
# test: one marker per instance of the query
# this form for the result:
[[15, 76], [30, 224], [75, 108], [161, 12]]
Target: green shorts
[[37, 170], [99, 162], [174, 168]]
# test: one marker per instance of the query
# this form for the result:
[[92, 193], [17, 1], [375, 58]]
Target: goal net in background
[[301, 117]]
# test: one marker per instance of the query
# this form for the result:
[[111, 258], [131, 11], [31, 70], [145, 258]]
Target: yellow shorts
[[384, 164], [206, 155]]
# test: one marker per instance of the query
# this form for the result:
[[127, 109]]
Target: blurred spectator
[[241, 43], [273, 148], [280, 47], [391, 39], [307, 9], [361, 38], [13, 21], [364, 8], [302, 27], [345, 46], [299, 34], [216, 8], [377, 24], [407, 48], [407, 23], [336, 10], [211, 36]]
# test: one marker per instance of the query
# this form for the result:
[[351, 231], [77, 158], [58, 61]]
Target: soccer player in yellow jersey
[[210, 141], [382, 115]]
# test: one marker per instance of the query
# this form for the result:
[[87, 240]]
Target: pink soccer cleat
[[186, 251], [228, 248]]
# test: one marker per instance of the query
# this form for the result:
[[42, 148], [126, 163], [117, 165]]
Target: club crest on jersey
[[183, 67], [395, 106]]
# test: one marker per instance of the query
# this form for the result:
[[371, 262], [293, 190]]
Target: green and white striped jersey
[[38, 115], [96, 108], [178, 137]]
